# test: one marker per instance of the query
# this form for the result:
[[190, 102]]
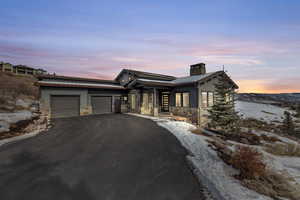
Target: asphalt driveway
[[107, 157]]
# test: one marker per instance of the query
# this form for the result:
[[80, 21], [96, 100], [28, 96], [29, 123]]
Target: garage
[[101, 104], [65, 106]]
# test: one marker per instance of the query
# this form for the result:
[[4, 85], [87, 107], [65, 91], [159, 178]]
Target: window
[[182, 99], [210, 98], [185, 99], [178, 100], [133, 101], [145, 101], [204, 99], [207, 99]]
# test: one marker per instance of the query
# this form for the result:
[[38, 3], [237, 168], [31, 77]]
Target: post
[[155, 107]]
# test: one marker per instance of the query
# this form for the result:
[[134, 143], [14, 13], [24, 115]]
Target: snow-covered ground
[[265, 112], [6, 119], [212, 172]]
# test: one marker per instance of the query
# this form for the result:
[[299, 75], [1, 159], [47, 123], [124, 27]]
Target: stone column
[[155, 103]]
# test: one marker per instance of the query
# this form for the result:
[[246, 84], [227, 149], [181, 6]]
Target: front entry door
[[165, 102]]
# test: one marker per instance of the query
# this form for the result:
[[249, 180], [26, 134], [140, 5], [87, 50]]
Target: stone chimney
[[197, 69]]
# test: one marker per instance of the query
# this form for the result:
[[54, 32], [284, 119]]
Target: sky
[[257, 41]]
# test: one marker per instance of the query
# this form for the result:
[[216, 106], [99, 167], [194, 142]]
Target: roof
[[184, 80], [72, 78], [79, 84], [23, 66], [141, 74]]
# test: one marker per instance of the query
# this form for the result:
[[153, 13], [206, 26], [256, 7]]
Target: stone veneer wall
[[191, 113]]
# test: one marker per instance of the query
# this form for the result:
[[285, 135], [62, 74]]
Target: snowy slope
[[260, 111]]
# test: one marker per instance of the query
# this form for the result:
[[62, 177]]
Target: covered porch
[[150, 98]]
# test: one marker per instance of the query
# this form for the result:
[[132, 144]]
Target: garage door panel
[[102, 105], [65, 106]]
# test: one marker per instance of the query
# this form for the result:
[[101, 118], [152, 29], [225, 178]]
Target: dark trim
[[76, 86], [71, 78]]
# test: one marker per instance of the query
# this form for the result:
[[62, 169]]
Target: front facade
[[133, 91]]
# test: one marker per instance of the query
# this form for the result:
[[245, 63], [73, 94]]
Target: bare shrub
[[197, 131], [249, 162], [274, 185], [281, 149], [269, 138]]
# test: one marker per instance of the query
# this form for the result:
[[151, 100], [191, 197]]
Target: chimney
[[197, 69]]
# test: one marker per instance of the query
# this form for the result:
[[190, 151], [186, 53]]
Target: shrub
[[275, 185], [269, 138], [281, 149], [197, 131], [249, 162]]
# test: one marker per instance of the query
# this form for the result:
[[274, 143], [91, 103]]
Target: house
[[20, 69], [133, 91]]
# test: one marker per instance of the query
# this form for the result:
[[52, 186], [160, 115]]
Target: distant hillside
[[16, 91], [276, 99]]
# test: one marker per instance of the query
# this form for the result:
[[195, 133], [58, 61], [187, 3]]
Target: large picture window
[[210, 99], [185, 99], [182, 99], [133, 101], [178, 100], [207, 99], [204, 99], [145, 101]]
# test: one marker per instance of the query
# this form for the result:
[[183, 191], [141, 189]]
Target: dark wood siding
[[65, 106], [192, 90]]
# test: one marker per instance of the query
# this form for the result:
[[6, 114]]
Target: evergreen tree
[[288, 124], [222, 114], [298, 111]]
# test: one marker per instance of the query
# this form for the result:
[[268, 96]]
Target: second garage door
[[65, 106], [102, 105]]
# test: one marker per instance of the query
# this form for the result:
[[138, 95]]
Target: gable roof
[[141, 74], [186, 80]]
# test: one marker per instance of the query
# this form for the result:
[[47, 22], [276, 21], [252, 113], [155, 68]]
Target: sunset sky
[[257, 41]]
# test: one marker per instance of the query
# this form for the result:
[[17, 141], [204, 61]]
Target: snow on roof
[[62, 83]]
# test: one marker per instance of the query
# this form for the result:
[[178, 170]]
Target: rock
[[22, 103], [4, 126]]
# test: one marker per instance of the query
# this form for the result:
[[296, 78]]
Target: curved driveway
[[104, 157]]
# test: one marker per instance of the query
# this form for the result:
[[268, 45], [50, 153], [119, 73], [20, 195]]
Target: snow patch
[[211, 171], [10, 118], [260, 111]]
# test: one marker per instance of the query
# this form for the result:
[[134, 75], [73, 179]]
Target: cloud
[[232, 60]]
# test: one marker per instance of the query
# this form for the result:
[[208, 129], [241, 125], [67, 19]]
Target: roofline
[[73, 78], [77, 86], [146, 73]]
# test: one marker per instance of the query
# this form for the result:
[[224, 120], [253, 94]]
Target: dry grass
[[281, 149], [249, 162], [197, 131], [14, 85], [269, 138], [274, 185], [256, 176]]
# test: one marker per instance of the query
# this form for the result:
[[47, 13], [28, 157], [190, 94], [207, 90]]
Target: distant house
[[133, 91], [20, 69]]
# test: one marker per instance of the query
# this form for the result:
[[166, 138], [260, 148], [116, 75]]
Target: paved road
[[104, 157]]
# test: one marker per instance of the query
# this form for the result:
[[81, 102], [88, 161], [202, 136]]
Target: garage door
[[65, 106], [101, 105]]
